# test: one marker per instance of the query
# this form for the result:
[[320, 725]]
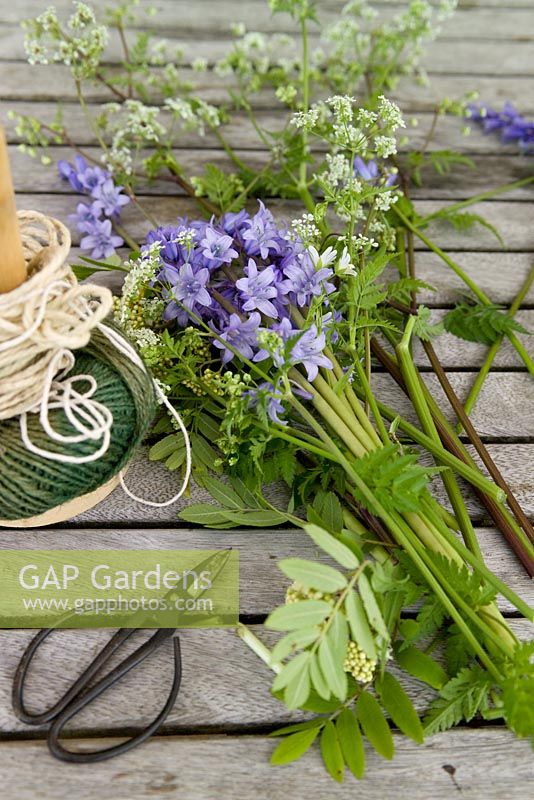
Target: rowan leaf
[[294, 746], [399, 707], [351, 742], [331, 752], [374, 725]]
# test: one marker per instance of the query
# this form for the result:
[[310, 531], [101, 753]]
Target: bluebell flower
[[233, 223], [261, 234], [189, 288], [241, 335], [69, 173], [305, 347], [217, 247], [109, 198], [308, 351], [101, 240], [370, 173], [511, 124], [271, 397], [85, 217], [302, 282], [108, 202], [257, 289]]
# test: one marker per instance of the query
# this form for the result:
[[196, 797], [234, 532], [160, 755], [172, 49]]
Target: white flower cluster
[[390, 114], [195, 114], [306, 119], [45, 41], [338, 171], [305, 228], [385, 146], [133, 124], [385, 200]]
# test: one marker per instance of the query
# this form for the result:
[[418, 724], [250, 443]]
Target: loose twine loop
[[41, 322]]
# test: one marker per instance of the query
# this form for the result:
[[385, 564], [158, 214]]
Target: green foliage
[[397, 481], [442, 161], [224, 190], [374, 725], [238, 507], [399, 707], [463, 221], [421, 666], [423, 328], [460, 699], [480, 323]]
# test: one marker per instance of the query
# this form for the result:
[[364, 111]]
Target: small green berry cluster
[[358, 664]]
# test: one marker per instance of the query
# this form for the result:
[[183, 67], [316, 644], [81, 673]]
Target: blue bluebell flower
[[109, 198], [100, 239], [107, 205], [189, 288], [261, 236], [242, 335], [257, 289], [85, 217], [305, 347], [370, 172], [269, 396], [302, 281], [511, 124], [217, 247]]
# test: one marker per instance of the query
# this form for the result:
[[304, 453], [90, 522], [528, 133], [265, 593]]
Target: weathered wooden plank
[[456, 353], [30, 175], [204, 18], [499, 275], [262, 585], [153, 480], [20, 81], [224, 685], [513, 220], [487, 763], [471, 57]]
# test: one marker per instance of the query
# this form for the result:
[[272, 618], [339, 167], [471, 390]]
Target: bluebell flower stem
[[413, 385], [477, 198], [371, 401], [354, 402], [341, 410], [125, 235], [494, 349], [479, 294]]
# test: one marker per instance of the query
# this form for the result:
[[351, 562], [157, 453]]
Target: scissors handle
[[25, 662], [79, 695]]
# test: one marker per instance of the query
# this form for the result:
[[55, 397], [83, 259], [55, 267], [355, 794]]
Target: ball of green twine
[[30, 484]]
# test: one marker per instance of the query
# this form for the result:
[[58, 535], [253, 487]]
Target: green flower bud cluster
[[358, 664], [297, 592]]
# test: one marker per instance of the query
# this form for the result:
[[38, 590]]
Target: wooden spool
[[13, 273]]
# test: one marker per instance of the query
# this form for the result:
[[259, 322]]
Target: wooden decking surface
[[214, 744]]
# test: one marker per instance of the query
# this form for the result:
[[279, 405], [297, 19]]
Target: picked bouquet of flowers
[[263, 324]]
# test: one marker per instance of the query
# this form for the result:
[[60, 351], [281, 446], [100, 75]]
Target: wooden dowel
[[12, 264]]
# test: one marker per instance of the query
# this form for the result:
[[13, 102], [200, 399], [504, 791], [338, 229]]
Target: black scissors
[[82, 693]]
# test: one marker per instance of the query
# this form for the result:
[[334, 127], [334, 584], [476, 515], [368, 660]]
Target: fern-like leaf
[[397, 481], [478, 323], [461, 698], [423, 328]]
